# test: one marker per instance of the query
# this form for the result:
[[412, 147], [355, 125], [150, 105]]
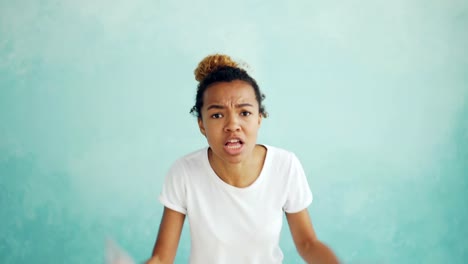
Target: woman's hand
[[116, 255]]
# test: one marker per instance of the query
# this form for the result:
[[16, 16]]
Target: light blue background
[[371, 95]]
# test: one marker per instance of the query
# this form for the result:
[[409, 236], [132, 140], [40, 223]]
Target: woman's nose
[[232, 124]]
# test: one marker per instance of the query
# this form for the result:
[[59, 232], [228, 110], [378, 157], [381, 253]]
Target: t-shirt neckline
[[219, 181]]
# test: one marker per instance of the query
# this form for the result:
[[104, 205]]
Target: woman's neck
[[240, 174]]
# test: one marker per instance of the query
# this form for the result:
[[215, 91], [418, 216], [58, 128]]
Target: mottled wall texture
[[372, 96]]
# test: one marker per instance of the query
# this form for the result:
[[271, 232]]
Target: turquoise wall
[[372, 96]]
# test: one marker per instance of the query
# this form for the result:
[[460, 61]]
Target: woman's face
[[230, 120]]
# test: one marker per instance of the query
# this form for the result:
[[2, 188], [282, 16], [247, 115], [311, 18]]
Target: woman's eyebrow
[[243, 105], [215, 106]]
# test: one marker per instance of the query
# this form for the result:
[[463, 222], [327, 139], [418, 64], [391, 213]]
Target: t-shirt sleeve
[[299, 195], [173, 194]]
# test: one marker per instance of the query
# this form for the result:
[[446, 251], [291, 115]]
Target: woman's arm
[[165, 248], [307, 243]]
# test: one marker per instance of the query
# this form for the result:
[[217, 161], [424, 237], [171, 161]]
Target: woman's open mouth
[[233, 146], [234, 143]]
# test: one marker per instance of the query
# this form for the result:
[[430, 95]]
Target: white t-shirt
[[236, 225]]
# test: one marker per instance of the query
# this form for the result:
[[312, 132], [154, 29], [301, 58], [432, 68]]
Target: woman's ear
[[201, 126]]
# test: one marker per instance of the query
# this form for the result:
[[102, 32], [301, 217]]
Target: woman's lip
[[234, 140]]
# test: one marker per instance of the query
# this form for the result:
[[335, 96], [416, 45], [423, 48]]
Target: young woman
[[234, 192]]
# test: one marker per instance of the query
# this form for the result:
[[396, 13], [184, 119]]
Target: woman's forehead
[[235, 91]]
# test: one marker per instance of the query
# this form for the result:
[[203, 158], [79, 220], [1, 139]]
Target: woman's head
[[229, 108], [221, 68]]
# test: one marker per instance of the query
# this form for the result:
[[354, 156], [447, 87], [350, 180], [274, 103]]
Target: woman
[[234, 191]]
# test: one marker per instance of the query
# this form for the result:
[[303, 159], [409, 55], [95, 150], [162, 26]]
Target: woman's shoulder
[[196, 154], [279, 152], [192, 158], [188, 162]]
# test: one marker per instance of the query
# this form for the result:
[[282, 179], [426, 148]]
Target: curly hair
[[221, 68]]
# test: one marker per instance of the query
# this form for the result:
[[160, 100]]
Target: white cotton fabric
[[236, 225]]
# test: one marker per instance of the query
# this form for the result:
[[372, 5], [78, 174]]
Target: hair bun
[[212, 62]]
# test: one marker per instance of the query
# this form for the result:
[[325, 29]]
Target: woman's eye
[[216, 116], [246, 113]]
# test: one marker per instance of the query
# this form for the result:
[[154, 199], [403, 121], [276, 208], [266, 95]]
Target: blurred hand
[[116, 255]]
